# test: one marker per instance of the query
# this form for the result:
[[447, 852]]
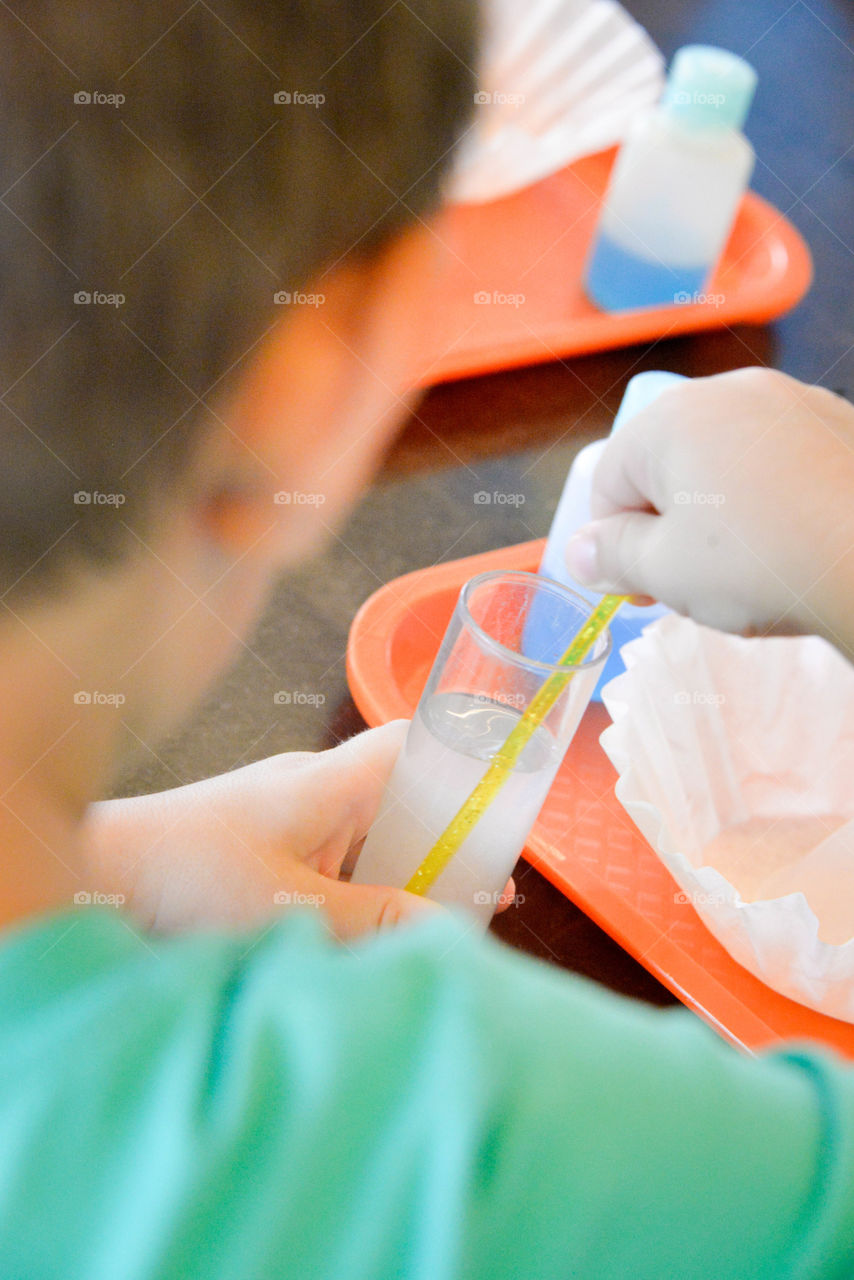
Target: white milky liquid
[[448, 749]]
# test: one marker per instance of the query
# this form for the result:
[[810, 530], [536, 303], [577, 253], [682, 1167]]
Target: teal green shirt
[[423, 1104]]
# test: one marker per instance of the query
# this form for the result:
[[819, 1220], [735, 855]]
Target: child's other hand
[[240, 848], [730, 499]]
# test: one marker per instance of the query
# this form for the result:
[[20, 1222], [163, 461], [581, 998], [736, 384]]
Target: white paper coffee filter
[[736, 759], [559, 79]]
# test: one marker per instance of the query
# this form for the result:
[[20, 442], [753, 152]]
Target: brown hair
[[158, 194]]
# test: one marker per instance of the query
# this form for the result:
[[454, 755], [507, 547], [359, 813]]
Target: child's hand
[[239, 848], [730, 499]]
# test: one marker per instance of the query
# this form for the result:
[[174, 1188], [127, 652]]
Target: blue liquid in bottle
[[617, 280]]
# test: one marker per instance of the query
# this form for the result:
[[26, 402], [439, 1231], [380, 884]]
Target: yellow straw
[[505, 758]]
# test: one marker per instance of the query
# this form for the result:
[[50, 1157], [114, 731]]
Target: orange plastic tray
[[583, 842], [534, 243]]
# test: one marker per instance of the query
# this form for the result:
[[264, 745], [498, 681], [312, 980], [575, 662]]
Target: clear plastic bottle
[[573, 511], [676, 186]]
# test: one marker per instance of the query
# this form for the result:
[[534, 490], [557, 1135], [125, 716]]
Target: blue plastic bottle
[[676, 186], [573, 511]]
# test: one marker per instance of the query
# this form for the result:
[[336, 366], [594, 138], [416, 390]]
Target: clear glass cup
[[505, 638]]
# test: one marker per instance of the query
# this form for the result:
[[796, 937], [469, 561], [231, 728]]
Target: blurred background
[[518, 431]]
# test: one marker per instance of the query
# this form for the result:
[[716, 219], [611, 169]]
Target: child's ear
[[316, 405]]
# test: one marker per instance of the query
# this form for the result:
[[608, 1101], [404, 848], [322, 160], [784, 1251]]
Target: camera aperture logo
[[698, 698], [97, 298], [94, 698], [94, 97], [697, 98], [295, 498], [484, 499], [288, 298], [483, 298], [483, 98], [683, 298], [294, 898], [699, 898], [298, 698], [295, 98], [481, 898], [685, 499], [502, 698], [94, 498]]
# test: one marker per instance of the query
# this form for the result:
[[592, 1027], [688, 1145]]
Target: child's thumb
[[354, 909], [617, 554]]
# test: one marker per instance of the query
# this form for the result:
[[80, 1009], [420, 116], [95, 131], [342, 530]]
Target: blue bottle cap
[[709, 88]]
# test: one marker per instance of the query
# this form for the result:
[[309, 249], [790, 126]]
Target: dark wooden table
[[518, 432]]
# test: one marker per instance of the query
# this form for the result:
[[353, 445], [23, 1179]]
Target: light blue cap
[[709, 88], [640, 391]]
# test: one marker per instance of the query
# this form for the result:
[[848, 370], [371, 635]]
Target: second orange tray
[[583, 842], [508, 288]]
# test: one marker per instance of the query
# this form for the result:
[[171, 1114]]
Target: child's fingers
[[321, 810], [507, 898], [635, 471], [355, 909], [619, 554], [360, 768]]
